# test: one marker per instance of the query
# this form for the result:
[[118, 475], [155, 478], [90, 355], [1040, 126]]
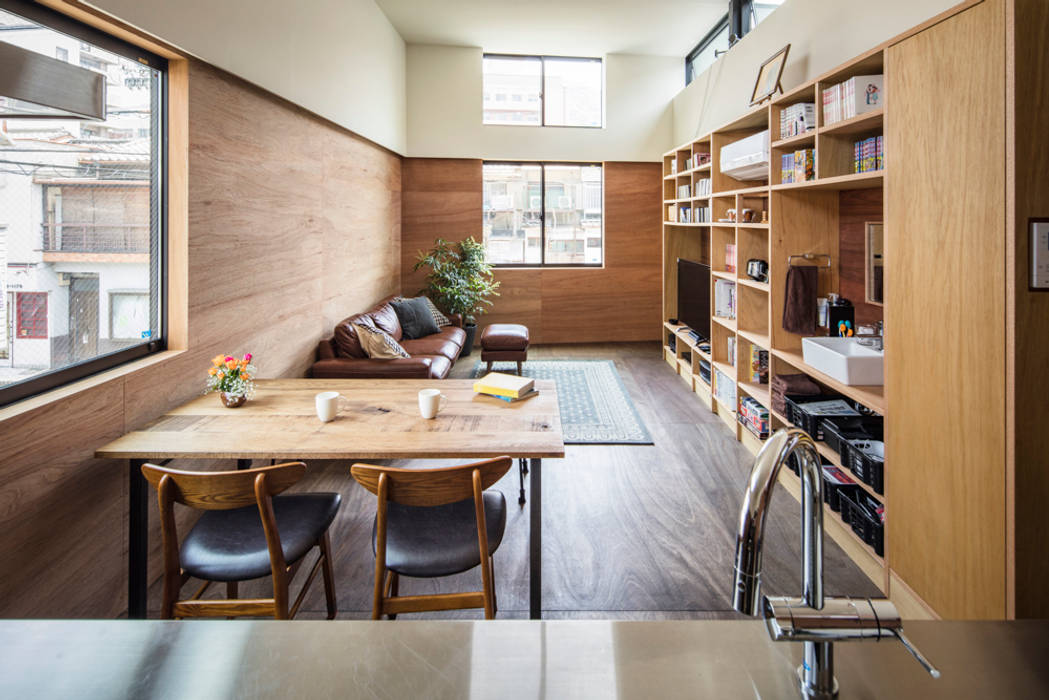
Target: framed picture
[[768, 76]]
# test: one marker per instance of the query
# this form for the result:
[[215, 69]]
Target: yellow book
[[499, 384]]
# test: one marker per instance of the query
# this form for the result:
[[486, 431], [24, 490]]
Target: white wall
[[822, 34], [444, 120], [341, 59]]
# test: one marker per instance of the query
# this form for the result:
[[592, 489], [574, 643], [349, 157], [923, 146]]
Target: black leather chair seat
[[230, 545], [425, 542]]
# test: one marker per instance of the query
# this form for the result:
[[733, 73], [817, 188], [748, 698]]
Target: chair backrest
[[430, 487], [223, 490]]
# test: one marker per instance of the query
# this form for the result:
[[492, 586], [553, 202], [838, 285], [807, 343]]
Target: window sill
[[61, 393], [534, 268]]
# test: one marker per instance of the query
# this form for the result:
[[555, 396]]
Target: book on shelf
[[754, 416], [868, 155], [759, 365], [703, 187], [671, 213], [685, 214], [724, 299], [724, 388], [730, 257], [684, 191], [730, 348], [797, 119], [799, 166], [857, 95], [500, 384]]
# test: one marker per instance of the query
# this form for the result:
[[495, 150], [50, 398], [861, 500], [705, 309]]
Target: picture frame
[[767, 83]]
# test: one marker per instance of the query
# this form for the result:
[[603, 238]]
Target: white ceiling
[[565, 27]]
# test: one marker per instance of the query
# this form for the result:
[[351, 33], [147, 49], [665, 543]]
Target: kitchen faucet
[[813, 618]]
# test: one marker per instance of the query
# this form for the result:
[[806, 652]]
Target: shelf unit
[[815, 216]]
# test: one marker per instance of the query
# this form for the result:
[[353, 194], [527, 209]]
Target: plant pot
[[231, 401], [468, 344]]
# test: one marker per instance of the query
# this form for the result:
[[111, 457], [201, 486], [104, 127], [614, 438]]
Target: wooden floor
[[629, 532]]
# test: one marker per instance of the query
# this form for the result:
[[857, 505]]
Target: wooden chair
[[431, 523], [246, 532]]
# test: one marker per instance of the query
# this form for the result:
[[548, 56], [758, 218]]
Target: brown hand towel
[[796, 384], [799, 308]]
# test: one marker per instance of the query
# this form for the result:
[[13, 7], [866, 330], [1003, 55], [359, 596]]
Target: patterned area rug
[[595, 406]]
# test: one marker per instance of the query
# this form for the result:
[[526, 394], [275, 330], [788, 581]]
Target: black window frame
[[542, 58], [55, 378], [738, 20], [542, 214]]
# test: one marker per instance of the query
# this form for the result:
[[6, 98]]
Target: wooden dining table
[[378, 419]]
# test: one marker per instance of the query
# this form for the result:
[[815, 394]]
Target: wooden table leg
[[138, 540], [535, 542]]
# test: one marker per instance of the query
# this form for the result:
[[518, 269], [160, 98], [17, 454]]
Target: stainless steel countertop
[[499, 659]]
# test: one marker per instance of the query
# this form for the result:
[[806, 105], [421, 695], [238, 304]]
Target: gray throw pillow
[[415, 317]]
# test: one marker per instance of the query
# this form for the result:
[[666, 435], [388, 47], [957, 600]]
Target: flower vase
[[231, 401]]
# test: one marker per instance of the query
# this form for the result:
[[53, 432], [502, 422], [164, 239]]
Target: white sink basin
[[845, 359]]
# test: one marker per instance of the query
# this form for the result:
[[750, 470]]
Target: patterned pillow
[[439, 318], [378, 344]]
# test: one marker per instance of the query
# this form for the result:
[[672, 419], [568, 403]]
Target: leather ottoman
[[506, 342]]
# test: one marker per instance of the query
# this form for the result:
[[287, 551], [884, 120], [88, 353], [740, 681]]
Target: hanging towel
[[799, 308]]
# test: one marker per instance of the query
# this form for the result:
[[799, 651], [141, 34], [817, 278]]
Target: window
[[741, 18], [543, 91], [82, 245], [539, 214], [32, 315]]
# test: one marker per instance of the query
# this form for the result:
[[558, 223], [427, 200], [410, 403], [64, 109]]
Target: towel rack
[[808, 256]]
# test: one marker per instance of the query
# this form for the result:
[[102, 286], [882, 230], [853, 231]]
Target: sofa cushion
[[379, 344], [453, 334], [346, 340], [433, 345], [385, 318], [415, 317]]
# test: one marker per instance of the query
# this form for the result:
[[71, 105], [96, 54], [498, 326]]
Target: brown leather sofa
[[432, 357]]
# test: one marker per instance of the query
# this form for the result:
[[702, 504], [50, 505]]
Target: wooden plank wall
[[621, 301], [293, 224]]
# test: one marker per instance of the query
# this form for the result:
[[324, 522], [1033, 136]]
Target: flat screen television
[[693, 296]]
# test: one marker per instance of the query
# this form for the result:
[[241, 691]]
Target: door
[[83, 317]]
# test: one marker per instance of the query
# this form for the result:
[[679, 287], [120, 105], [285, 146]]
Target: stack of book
[[685, 214], [724, 299], [797, 119], [684, 191], [754, 417], [507, 387], [856, 96], [799, 166], [703, 187], [868, 155], [701, 215]]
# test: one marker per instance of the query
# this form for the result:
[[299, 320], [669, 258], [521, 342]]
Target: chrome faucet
[[872, 336], [814, 619]]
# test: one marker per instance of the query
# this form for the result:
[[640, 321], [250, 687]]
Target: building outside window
[[81, 215], [539, 214], [543, 91], [741, 17]]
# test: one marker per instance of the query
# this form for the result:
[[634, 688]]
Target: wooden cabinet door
[[945, 312]]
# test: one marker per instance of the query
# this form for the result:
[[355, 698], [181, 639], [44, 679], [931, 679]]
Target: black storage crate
[[869, 468], [808, 422], [860, 511], [833, 486], [838, 431]]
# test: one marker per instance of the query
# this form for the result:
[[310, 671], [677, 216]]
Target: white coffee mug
[[430, 402], [327, 405]]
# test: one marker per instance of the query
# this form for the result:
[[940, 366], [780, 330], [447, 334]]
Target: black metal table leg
[[521, 471], [535, 542], [138, 540], [243, 464]]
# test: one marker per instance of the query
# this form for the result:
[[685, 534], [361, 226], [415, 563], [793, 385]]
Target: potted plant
[[459, 281], [231, 378]]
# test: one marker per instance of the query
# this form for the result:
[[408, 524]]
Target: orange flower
[[231, 363], [212, 371], [221, 375], [245, 376], [217, 360]]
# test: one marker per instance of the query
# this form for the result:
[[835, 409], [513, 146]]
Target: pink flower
[[228, 358], [247, 358]]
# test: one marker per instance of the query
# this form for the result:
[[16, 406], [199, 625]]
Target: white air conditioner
[[748, 158]]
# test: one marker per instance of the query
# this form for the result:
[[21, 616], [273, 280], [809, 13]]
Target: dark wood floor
[[629, 532]]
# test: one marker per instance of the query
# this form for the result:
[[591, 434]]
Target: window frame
[[542, 214], [542, 58], [737, 19], [89, 35]]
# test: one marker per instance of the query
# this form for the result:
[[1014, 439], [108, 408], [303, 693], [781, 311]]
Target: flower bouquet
[[232, 379]]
